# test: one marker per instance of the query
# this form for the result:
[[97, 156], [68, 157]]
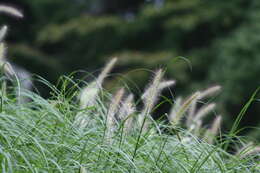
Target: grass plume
[[89, 94], [214, 129], [3, 32], [10, 11], [113, 109], [126, 112], [150, 96], [204, 111], [175, 118]]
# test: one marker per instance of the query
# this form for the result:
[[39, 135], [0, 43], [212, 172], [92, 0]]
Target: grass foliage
[[58, 135], [86, 129]]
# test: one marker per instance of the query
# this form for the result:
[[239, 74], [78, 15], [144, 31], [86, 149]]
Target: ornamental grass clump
[[77, 130]]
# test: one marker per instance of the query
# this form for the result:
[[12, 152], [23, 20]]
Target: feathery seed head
[[2, 53], [216, 125], [127, 107], [175, 108], [126, 111], [197, 128], [180, 113], [210, 91], [108, 67], [166, 84], [116, 102], [204, 111], [11, 11], [89, 94], [3, 32], [191, 113], [113, 108], [150, 96], [162, 85], [212, 132]]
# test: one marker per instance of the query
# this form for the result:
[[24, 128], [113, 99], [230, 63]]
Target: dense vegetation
[[89, 130], [220, 39]]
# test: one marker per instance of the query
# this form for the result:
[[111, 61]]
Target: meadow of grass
[[83, 128], [68, 133]]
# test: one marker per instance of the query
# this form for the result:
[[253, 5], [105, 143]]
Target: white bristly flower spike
[[184, 107], [206, 93], [3, 32], [127, 107], [126, 111], [113, 108], [2, 52], [162, 85], [106, 70], [212, 132], [89, 94], [204, 111], [191, 112], [11, 11], [3, 63], [150, 97], [197, 128], [175, 108], [210, 91]]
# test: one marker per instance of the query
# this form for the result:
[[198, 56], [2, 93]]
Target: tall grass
[[43, 136], [85, 129]]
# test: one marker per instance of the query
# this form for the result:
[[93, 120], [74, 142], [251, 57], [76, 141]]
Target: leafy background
[[220, 41]]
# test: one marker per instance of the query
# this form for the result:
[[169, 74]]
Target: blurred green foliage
[[220, 39]]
